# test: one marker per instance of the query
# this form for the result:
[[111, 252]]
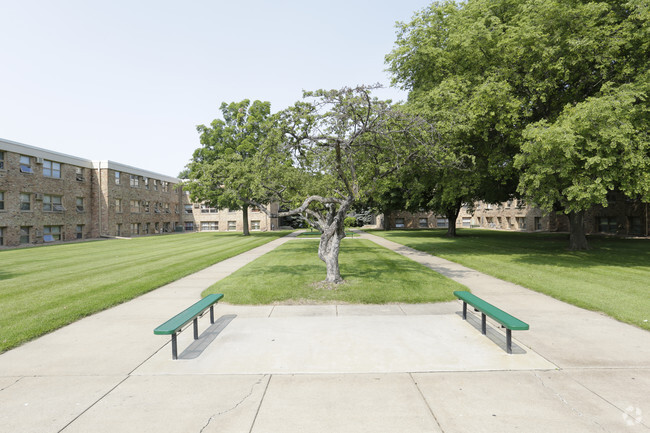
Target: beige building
[[46, 196]]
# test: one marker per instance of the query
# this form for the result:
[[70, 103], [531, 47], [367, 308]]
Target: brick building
[[46, 196]]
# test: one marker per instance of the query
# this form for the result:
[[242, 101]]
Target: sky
[[129, 81]]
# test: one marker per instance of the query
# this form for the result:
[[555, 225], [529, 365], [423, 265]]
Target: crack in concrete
[[12, 384], [567, 404], [239, 403]]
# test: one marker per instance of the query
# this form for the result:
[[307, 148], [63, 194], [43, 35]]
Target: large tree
[[222, 171], [497, 66], [333, 149]]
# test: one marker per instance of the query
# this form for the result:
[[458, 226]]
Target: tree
[[333, 149], [497, 66], [596, 146], [222, 172]]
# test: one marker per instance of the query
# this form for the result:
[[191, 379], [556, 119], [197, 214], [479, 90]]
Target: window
[[508, 222], [399, 223], [2, 160], [2, 235], [79, 174], [79, 231], [189, 226], [423, 223], [135, 206], [207, 226], [207, 209], [145, 182], [166, 227], [165, 186], [442, 222], [255, 209], [52, 203], [2, 200], [538, 223], [25, 201], [499, 222], [51, 233], [24, 234], [135, 181], [118, 229], [118, 205], [467, 222], [489, 221], [80, 204], [155, 185], [166, 208], [135, 229], [188, 209], [255, 225], [51, 169], [156, 227], [232, 225], [176, 208], [488, 206], [156, 207], [146, 228], [521, 222], [25, 164], [117, 178], [607, 224], [145, 207], [509, 204], [635, 225]]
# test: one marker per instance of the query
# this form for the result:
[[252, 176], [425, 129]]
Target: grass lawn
[[373, 275], [612, 277], [44, 288]]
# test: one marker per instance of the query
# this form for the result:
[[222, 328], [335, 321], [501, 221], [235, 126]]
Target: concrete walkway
[[332, 368]]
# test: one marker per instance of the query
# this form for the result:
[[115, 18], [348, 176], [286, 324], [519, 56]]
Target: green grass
[[373, 275], [44, 288], [613, 277]]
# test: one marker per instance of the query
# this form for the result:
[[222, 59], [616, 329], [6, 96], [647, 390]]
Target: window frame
[[23, 202], [56, 235], [232, 226], [2, 200], [25, 167], [49, 169], [2, 159], [53, 202]]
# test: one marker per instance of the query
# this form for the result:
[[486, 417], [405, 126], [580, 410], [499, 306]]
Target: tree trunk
[[328, 251], [387, 220], [452, 216], [577, 236], [245, 218]]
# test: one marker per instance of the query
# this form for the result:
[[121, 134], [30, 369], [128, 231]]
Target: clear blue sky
[[130, 80]]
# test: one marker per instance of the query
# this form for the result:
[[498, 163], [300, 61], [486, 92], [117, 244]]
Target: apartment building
[[46, 196]]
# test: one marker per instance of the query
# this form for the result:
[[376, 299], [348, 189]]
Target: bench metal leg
[[509, 341], [212, 314], [483, 324], [174, 347], [196, 328], [464, 310]]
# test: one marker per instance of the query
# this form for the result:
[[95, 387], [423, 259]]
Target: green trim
[[500, 316], [181, 319]]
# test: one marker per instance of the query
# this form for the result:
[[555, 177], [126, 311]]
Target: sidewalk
[[332, 368]]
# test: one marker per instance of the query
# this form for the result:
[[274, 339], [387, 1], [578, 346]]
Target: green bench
[[509, 322], [174, 325]]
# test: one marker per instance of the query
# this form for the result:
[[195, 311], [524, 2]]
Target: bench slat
[[181, 319], [505, 319]]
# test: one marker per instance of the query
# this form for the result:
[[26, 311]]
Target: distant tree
[[222, 171], [333, 149]]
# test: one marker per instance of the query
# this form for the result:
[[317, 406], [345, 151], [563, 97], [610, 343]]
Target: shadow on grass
[[6, 275]]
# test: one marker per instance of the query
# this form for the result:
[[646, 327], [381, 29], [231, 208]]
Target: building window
[[232, 225], [521, 222], [635, 225], [145, 207], [52, 203], [508, 222], [442, 222], [118, 229], [79, 231], [189, 226], [176, 208], [509, 204], [423, 223], [118, 205], [51, 233], [25, 201], [2, 200], [51, 169], [156, 227], [166, 208], [155, 185], [2, 160], [165, 186], [25, 164], [2, 235], [210, 226], [467, 222], [166, 227], [135, 206], [117, 178], [156, 207], [79, 174], [135, 181], [255, 225], [24, 234], [538, 223], [607, 224], [188, 209], [145, 182], [80, 204], [135, 229], [207, 209], [399, 223]]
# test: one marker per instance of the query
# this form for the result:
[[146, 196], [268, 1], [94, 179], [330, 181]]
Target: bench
[[509, 322], [174, 325]]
